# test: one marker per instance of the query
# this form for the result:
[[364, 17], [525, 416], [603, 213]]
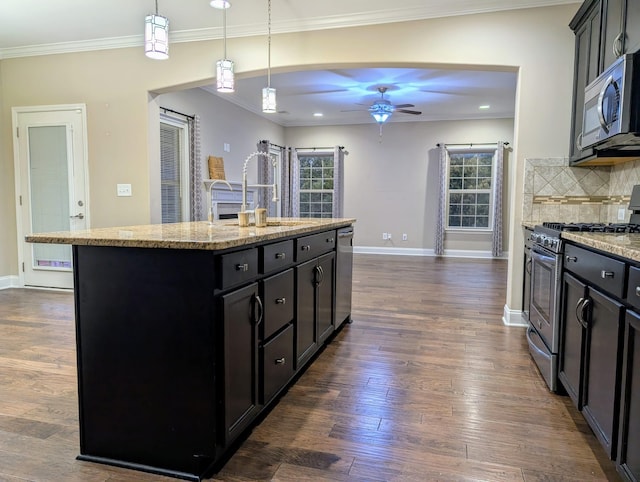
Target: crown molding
[[283, 26]]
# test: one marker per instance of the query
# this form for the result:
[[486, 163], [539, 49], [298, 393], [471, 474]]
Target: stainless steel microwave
[[612, 107]]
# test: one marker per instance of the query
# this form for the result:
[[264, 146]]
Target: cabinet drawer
[[277, 302], [602, 271], [277, 364], [308, 247], [633, 288], [276, 256], [238, 267]]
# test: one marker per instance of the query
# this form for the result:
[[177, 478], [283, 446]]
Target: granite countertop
[[221, 234], [624, 245]]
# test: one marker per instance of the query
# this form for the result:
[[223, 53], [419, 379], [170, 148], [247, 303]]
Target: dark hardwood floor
[[425, 385]]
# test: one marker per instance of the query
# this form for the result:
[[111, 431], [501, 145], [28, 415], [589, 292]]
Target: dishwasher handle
[[345, 234]]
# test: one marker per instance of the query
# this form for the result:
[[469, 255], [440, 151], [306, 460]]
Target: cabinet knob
[[281, 301], [242, 267], [306, 247], [280, 361], [606, 274], [281, 255]]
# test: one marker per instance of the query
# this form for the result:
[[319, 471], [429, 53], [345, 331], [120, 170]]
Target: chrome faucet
[[213, 183], [273, 186]]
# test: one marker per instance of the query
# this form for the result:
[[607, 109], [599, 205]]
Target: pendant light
[[156, 36], [225, 79], [269, 93]]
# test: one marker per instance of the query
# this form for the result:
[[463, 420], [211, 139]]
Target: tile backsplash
[[553, 191]]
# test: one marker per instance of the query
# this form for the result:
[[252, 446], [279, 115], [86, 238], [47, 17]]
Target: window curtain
[[195, 169], [338, 182], [442, 201], [496, 235], [289, 191]]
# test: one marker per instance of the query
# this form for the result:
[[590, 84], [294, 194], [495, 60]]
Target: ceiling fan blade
[[355, 110], [405, 111], [403, 106]]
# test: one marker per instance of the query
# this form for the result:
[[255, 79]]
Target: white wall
[[391, 183]]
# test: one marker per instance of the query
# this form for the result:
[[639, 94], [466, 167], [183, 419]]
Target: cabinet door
[[586, 70], [241, 316], [632, 26], [612, 28], [325, 306], [602, 376], [629, 446], [307, 275], [572, 338]]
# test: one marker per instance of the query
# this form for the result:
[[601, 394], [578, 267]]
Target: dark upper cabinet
[[612, 45], [586, 69]]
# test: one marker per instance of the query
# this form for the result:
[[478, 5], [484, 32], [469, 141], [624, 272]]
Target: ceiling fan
[[382, 108]]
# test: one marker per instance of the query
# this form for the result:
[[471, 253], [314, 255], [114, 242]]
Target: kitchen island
[[186, 333]]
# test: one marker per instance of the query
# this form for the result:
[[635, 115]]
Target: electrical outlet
[[388, 235], [124, 189], [385, 236], [622, 212], [404, 236]]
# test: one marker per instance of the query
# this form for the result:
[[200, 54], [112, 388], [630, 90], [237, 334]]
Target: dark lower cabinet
[[277, 364], [602, 368], [628, 460], [572, 339], [315, 305], [242, 312]]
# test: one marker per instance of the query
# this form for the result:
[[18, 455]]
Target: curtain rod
[[179, 113], [317, 148], [272, 144], [472, 144]]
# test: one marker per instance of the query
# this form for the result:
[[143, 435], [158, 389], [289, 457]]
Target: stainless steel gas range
[[547, 248]]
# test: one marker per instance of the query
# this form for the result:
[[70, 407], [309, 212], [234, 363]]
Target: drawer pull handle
[[606, 274], [280, 361], [281, 255], [571, 258], [281, 301], [637, 290], [329, 240], [306, 247], [242, 267]]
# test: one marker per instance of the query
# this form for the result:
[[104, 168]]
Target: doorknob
[[78, 216]]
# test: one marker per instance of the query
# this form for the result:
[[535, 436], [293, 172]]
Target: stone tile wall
[[553, 191]]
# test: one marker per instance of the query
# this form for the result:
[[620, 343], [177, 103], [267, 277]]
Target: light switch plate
[[124, 189], [621, 214]]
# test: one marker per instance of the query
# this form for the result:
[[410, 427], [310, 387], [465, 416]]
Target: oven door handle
[[581, 311]]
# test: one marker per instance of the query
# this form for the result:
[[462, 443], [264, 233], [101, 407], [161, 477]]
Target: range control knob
[[553, 243], [545, 242]]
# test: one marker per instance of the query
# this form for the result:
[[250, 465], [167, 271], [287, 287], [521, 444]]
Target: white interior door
[[50, 145]]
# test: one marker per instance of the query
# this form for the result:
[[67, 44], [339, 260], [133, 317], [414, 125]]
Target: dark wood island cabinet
[[187, 333]]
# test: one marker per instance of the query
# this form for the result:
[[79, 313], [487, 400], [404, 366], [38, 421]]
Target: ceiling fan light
[[156, 37], [381, 117], [225, 78], [268, 100]]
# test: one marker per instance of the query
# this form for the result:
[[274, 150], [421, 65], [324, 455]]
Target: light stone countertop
[[624, 245], [221, 234]]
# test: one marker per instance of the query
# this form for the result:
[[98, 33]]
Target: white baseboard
[[448, 253], [513, 317], [7, 282]]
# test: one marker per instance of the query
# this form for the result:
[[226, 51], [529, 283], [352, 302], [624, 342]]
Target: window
[[469, 188], [316, 185], [174, 170]]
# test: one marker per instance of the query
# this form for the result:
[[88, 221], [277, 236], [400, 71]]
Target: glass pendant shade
[[380, 117], [156, 37], [268, 100], [225, 80]]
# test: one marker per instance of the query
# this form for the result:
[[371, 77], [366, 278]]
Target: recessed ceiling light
[[484, 107], [317, 114], [221, 4]]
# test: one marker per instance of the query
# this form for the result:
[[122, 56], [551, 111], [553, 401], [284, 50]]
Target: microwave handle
[[617, 45], [579, 141], [603, 122]]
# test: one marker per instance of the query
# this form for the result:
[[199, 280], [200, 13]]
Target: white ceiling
[[35, 27]]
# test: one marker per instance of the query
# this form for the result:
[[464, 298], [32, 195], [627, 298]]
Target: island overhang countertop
[[222, 234]]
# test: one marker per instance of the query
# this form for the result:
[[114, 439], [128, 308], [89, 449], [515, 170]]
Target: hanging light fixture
[[269, 93], [156, 36], [225, 79]]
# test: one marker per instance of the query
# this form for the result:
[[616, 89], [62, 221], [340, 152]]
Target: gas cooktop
[[594, 227]]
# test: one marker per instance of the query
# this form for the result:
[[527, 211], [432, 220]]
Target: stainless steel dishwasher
[[344, 275]]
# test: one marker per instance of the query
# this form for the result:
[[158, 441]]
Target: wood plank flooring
[[425, 385]]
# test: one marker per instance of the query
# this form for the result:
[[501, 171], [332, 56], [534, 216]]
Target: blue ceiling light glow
[[381, 110]]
